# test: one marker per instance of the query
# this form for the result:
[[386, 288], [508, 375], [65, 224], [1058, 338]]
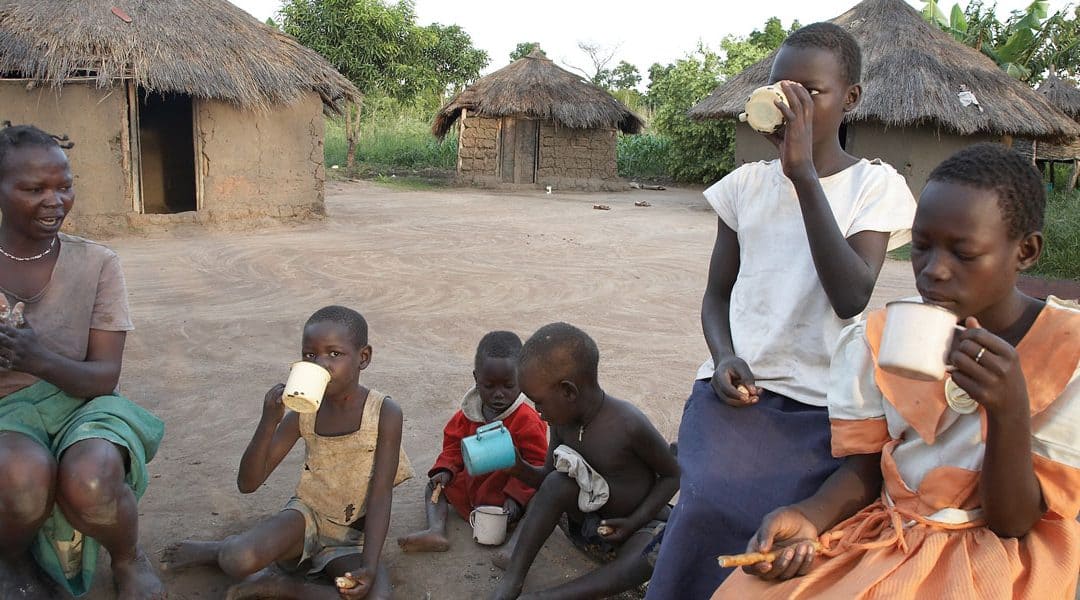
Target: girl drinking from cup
[[935, 500]]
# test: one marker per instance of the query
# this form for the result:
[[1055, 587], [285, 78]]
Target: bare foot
[[508, 590], [271, 583], [424, 541], [501, 558], [189, 553], [137, 579], [21, 578]]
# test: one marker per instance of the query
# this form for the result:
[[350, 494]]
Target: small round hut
[[925, 96], [175, 106], [536, 124], [1066, 98]]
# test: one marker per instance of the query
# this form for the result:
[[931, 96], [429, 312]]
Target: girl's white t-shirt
[[782, 324]]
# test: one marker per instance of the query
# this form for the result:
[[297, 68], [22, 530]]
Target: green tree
[[699, 151], [1025, 45], [624, 76], [379, 47], [704, 151], [271, 24], [523, 49]]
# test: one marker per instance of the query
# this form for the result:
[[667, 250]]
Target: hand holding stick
[[752, 558]]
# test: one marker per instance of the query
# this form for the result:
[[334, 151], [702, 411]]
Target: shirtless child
[[613, 443]]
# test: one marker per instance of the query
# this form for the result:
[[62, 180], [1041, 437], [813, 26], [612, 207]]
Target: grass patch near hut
[[391, 140], [1061, 230]]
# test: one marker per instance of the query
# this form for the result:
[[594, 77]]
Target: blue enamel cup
[[489, 450]]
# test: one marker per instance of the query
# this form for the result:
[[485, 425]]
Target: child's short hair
[[1020, 193], [346, 317], [834, 38], [574, 345], [19, 136], [497, 344]]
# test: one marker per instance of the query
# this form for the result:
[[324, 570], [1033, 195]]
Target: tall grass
[[391, 140], [1061, 234], [643, 156], [1061, 255]]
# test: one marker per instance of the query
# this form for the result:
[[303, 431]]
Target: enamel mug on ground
[[488, 525], [305, 387], [916, 340]]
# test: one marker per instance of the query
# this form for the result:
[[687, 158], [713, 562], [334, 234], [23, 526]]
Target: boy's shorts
[[324, 541], [584, 537]]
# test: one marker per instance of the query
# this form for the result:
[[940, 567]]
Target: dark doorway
[[518, 149], [167, 153]]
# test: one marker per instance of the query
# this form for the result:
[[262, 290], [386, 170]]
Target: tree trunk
[[352, 135]]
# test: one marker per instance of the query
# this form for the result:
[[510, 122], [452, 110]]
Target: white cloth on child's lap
[[782, 323], [594, 488]]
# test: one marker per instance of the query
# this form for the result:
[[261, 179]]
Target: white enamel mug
[[305, 387], [489, 525], [916, 340]]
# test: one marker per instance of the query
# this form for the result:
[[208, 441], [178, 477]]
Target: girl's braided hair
[[19, 136]]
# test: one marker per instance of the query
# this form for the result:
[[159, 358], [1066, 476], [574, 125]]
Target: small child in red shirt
[[495, 396]]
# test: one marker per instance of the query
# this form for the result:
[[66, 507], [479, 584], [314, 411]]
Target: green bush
[[643, 156]]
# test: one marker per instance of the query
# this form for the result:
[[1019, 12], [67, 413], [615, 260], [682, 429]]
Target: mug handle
[[472, 519], [492, 426]]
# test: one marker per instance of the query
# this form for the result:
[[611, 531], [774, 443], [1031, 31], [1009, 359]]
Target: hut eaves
[[912, 72], [1061, 94], [535, 87], [207, 49]]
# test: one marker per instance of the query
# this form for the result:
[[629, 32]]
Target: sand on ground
[[219, 314]]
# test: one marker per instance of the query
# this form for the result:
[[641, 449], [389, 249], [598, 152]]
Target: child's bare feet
[[265, 584], [507, 590], [136, 579], [189, 553], [424, 541]]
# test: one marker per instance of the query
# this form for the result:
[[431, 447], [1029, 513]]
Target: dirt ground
[[218, 317]]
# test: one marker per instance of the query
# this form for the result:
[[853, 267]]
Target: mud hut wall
[[97, 121], [478, 155], [260, 163], [575, 158], [912, 151], [751, 146]]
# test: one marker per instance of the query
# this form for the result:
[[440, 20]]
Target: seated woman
[[73, 453]]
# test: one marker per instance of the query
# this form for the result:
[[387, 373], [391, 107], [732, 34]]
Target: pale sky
[[660, 31]]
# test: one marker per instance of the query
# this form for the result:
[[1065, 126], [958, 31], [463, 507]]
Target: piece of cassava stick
[[435, 493], [752, 558], [345, 583]]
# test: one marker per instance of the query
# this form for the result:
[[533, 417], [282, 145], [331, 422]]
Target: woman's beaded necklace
[[52, 244]]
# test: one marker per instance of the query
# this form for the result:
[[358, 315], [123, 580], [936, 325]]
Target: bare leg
[[501, 558], [190, 553], [557, 494], [27, 484], [432, 539], [271, 583], [95, 499], [626, 572]]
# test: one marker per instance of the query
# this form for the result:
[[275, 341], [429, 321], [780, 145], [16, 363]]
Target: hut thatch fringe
[[912, 73], [537, 88], [204, 48]]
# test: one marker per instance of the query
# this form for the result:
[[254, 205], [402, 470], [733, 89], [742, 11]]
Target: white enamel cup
[[916, 340], [489, 525], [305, 387]]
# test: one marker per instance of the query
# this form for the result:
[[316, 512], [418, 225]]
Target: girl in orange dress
[[933, 501]]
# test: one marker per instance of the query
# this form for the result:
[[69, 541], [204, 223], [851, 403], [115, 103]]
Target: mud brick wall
[[571, 157], [478, 157]]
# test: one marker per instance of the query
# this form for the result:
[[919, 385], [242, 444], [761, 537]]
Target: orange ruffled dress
[[926, 537]]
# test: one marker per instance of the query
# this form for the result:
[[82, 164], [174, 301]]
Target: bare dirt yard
[[219, 316]]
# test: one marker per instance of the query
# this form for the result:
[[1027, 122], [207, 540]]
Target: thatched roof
[[537, 88], [912, 72], [1061, 94], [203, 48]]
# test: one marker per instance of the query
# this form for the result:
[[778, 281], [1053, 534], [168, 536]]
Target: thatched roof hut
[[1061, 94], [1066, 98], [910, 113], [202, 78], [534, 122]]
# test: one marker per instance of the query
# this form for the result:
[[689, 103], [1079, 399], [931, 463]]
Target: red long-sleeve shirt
[[465, 491]]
